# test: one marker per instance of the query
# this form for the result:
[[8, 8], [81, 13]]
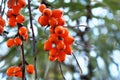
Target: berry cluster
[[59, 41], [16, 19], [2, 24], [17, 70]]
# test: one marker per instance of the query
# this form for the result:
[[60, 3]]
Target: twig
[[77, 63], [61, 71], [23, 62], [3, 8], [34, 40]]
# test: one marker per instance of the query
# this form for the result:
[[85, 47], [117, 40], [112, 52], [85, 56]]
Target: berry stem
[[61, 71], [77, 63], [23, 62], [34, 40]]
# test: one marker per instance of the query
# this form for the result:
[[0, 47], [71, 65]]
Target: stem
[[77, 63], [34, 40], [61, 71], [23, 62]]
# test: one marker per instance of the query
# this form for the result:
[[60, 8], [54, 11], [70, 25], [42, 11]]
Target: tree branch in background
[[34, 40]]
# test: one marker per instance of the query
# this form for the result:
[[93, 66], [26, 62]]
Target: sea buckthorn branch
[[34, 40], [23, 61], [2, 11]]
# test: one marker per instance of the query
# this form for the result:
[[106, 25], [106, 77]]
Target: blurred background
[[95, 25]]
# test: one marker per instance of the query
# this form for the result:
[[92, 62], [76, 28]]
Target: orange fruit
[[20, 18], [61, 21], [47, 12], [42, 7], [51, 58], [53, 52], [10, 70], [57, 13], [47, 45], [43, 20], [18, 72], [68, 40], [60, 45], [21, 3], [2, 21], [12, 22], [68, 50], [30, 69], [17, 41], [10, 42], [59, 30], [61, 56], [53, 22], [23, 31]]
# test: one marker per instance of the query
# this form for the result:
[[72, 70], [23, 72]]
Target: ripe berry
[[59, 30], [10, 71], [1, 29], [47, 12], [9, 13], [68, 40], [21, 3], [30, 69], [66, 33], [61, 56], [42, 7], [53, 38], [47, 45], [23, 31], [68, 50], [16, 10], [51, 58], [2, 21], [53, 52], [10, 3], [20, 18], [12, 22], [57, 13], [43, 20], [60, 45], [18, 71], [61, 21], [10, 42], [17, 41], [53, 22]]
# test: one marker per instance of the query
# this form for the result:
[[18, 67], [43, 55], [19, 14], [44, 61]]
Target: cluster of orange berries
[[17, 70], [59, 41], [2, 24], [16, 19]]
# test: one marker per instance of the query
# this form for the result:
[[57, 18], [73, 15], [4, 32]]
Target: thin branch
[[77, 63], [61, 71], [34, 40], [23, 62], [3, 8]]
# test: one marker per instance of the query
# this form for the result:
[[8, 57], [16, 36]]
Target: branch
[[34, 40]]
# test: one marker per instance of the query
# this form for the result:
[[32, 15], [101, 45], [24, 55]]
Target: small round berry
[[10, 70], [57, 13], [18, 72], [47, 12], [42, 7], [23, 31], [17, 41], [43, 20], [20, 18], [10, 42], [30, 69]]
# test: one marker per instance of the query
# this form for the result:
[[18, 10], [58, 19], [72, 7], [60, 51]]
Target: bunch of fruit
[[17, 70], [59, 41], [15, 19]]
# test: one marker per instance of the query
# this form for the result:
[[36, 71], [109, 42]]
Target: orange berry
[[16, 10], [20, 18], [68, 40], [10, 3], [57, 13], [51, 58], [61, 21], [53, 52], [21, 3], [47, 12], [10, 13], [10, 70], [42, 7], [12, 22], [17, 41], [52, 30], [47, 45], [66, 33], [59, 30], [2, 21], [1, 29], [25, 36], [30, 69], [23, 31], [60, 45], [43, 20], [18, 71], [10, 42], [61, 56], [53, 22], [68, 50], [53, 38]]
